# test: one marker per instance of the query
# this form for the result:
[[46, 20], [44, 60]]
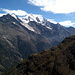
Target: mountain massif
[[59, 60], [20, 37]]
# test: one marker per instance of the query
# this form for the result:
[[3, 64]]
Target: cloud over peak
[[67, 23], [17, 12], [55, 6]]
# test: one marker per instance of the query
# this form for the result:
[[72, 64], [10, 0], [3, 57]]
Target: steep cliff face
[[59, 60], [9, 55]]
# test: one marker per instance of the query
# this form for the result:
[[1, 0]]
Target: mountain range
[[22, 36]]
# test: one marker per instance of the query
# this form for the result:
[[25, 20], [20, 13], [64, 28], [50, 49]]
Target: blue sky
[[62, 11]]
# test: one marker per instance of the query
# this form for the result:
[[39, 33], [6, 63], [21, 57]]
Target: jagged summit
[[14, 15], [32, 17]]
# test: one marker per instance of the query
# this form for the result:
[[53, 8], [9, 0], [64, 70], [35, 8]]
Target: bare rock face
[[59, 60]]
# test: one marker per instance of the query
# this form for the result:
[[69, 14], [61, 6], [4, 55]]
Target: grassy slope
[[59, 60]]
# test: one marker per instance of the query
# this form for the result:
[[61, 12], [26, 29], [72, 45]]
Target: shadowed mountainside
[[59, 60]]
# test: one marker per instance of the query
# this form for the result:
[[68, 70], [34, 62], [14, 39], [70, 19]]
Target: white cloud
[[52, 21], [17, 12], [1, 15], [67, 23], [55, 6]]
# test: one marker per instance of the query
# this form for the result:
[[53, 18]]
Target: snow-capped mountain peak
[[32, 17], [37, 18], [13, 15]]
